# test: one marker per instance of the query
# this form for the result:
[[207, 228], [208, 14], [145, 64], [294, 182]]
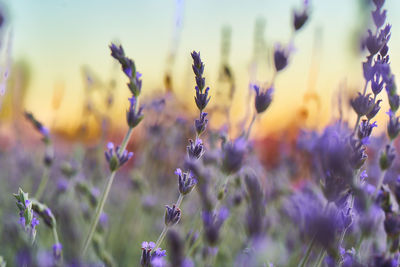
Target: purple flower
[[117, 52], [212, 224], [379, 3], [172, 215], [28, 217], [233, 155], [115, 158], [186, 181], [373, 43], [196, 149], [393, 128], [365, 130], [129, 68], [133, 117], [201, 98], [263, 99], [57, 250], [368, 70], [385, 261], [198, 66], [379, 17], [300, 17], [374, 110], [362, 105], [201, 123], [148, 255], [280, 58], [38, 125]]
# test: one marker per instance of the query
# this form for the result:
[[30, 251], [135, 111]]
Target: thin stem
[[365, 88], [165, 230], [104, 196], [251, 125], [308, 253], [43, 183], [161, 238], [321, 257], [356, 125], [126, 140], [380, 182], [99, 210], [179, 201]]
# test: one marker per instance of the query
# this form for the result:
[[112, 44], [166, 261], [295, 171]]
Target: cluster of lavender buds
[[28, 218], [300, 17], [263, 99], [30, 211], [39, 126], [263, 96], [151, 256], [49, 152], [115, 158]]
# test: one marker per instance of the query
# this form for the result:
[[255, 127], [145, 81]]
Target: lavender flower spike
[[186, 181], [114, 158], [27, 217]]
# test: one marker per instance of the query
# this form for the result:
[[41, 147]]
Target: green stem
[[321, 257], [104, 196], [165, 230], [126, 140], [308, 253], [99, 210], [380, 182], [161, 238], [179, 201], [251, 125], [356, 125], [43, 183]]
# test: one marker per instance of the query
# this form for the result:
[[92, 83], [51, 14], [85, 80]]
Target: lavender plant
[[49, 153], [117, 156], [195, 150]]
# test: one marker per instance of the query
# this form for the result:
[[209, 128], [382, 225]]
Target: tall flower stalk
[[49, 153], [195, 150], [117, 156]]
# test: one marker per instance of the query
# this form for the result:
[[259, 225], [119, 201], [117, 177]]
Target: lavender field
[[186, 166]]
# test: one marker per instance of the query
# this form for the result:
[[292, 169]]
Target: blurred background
[[56, 63]]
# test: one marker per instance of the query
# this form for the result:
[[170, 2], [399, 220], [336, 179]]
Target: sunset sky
[[59, 37]]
